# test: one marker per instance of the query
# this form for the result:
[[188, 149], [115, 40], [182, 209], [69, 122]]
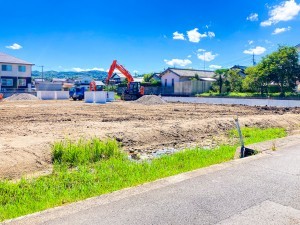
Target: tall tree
[[235, 80], [282, 67], [256, 80], [220, 76]]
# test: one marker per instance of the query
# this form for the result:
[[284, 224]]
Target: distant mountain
[[48, 75]]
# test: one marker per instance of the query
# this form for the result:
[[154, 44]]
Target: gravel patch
[[21, 97], [150, 100]]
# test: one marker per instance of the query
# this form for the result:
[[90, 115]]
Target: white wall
[[15, 70], [169, 76]]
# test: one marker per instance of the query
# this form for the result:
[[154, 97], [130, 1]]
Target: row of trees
[[281, 68]]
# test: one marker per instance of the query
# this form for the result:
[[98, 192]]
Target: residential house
[[241, 69], [138, 79], [187, 82], [15, 73], [59, 80], [117, 78], [84, 82], [156, 76], [298, 47], [173, 75]]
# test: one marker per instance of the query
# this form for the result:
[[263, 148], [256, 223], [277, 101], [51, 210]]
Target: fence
[[191, 88]]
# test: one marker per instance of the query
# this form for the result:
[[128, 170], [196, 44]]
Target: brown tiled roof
[[4, 58], [190, 72]]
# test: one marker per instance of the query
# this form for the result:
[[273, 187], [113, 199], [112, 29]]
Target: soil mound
[[21, 97], [150, 100]]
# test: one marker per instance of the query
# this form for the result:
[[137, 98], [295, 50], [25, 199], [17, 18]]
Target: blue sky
[[146, 36]]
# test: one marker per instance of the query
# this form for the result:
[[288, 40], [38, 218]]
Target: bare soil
[[28, 128]]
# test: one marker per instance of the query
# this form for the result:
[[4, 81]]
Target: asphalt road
[[264, 189]]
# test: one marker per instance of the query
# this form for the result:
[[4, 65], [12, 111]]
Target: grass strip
[[90, 168]]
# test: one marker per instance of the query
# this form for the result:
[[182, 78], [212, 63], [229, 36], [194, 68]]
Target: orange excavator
[[134, 89]]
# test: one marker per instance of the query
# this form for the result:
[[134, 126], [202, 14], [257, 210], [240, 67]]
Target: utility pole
[[253, 60], [42, 72], [204, 60]]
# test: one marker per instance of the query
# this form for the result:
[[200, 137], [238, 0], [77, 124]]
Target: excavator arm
[[121, 68], [134, 89]]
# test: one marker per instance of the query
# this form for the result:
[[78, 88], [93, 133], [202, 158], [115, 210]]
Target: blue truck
[[77, 93]]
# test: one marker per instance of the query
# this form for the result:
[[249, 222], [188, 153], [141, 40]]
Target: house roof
[[190, 72], [59, 80], [138, 79], [239, 67], [99, 83], [156, 74], [4, 58]]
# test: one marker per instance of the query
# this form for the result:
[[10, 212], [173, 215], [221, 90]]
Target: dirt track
[[28, 128]]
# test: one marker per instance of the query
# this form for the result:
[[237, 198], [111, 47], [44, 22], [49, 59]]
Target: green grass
[[91, 167], [84, 151], [117, 97], [256, 135]]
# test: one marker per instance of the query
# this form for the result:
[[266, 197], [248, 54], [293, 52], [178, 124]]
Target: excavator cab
[[133, 92]]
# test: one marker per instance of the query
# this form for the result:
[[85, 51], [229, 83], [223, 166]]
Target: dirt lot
[[29, 127]]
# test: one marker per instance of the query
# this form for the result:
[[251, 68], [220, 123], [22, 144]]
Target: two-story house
[[15, 73]]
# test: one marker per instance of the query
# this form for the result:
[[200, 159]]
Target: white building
[[15, 73], [173, 75]]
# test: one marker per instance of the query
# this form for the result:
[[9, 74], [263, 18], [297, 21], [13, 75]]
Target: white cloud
[[178, 36], [253, 17], [286, 11], [77, 69], [178, 62], [250, 42], [201, 50], [256, 51], [15, 46], [207, 56], [195, 36], [281, 30], [135, 71], [189, 56], [211, 34], [215, 67]]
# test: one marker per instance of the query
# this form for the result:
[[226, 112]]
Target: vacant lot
[[28, 128]]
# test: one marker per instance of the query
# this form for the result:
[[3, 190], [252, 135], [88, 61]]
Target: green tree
[[221, 77], [282, 67], [147, 77], [235, 80], [256, 80]]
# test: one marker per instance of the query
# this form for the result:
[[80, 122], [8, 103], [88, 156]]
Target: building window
[[7, 82], [21, 82], [6, 68], [173, 81], [166, 82], [22, 68]]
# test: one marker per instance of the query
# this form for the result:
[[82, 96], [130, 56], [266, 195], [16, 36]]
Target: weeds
[[84, 151], [92, 167], [255, 135]]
